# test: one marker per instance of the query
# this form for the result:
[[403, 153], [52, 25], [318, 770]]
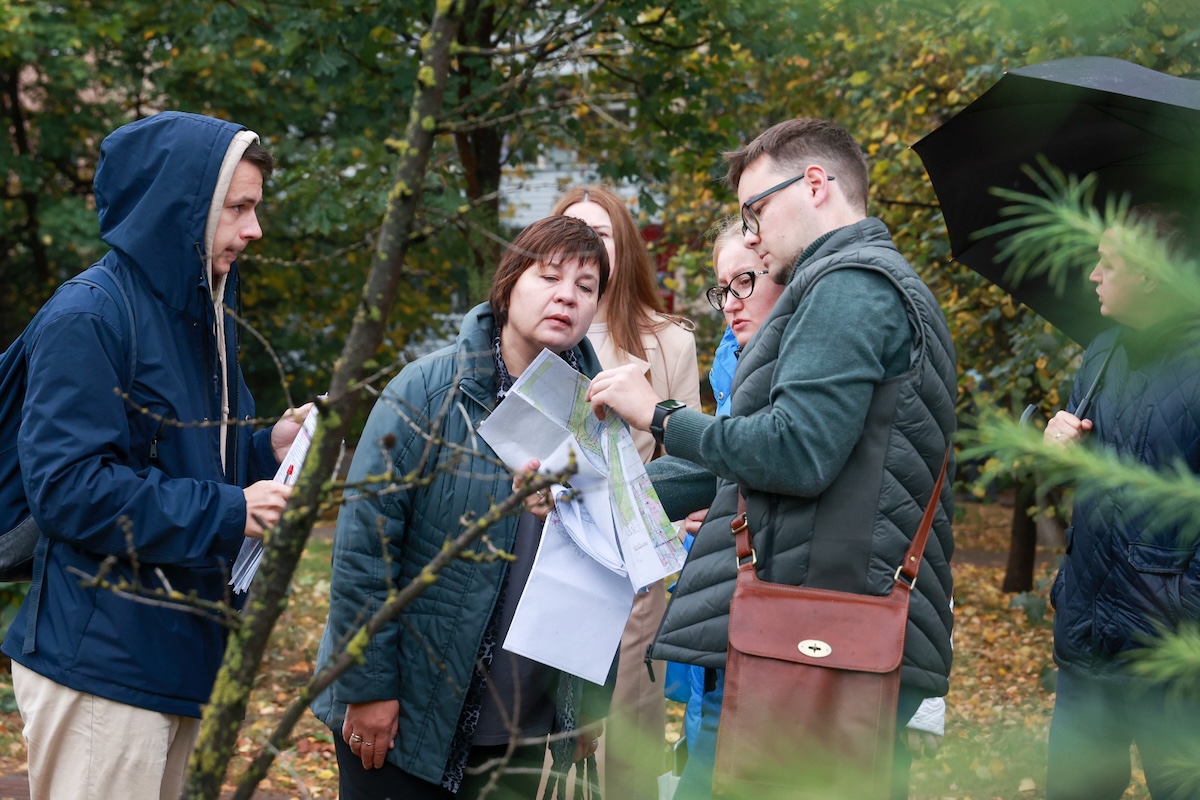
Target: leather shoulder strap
[[747, 558]]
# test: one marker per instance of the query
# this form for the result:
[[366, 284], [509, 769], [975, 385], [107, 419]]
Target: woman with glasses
[[745, 293], [631, 326], [435, 695]]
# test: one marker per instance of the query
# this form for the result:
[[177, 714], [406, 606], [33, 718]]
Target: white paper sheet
[[573, 610], [607, 534], [545, 416], [248, 558]]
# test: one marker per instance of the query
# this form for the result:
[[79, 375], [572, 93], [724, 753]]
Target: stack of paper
[[251, 553], [607, 535]]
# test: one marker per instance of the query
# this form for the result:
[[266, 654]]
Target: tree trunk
[[1022, 545], [283, 548], [480, 150]]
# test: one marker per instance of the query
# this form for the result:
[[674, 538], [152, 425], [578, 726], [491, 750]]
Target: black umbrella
[[1137, 129]]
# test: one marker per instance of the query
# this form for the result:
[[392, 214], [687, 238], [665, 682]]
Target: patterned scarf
[[504, 379], [569, 686]]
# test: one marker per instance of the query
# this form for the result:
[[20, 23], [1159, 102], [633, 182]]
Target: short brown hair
[[260, 157], [543, 240], [796, 143]]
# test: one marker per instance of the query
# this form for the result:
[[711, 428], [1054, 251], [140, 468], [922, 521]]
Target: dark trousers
[[1094, 724], [697, 780], [519, 781]]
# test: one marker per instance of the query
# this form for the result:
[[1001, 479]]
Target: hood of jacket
[[156, 189]]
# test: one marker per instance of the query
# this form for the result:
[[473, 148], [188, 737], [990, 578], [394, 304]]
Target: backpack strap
[[108, 277], [106, 283]]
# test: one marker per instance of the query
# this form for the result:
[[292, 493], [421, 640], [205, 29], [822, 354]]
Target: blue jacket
[[102, 477], [1123, 577], [721, 374], [425, 659]]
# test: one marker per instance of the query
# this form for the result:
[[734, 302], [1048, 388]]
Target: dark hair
[[260, 157], [561, 236], [796, 143], [635, 296]]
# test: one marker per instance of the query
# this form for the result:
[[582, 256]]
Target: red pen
[[291, 468]]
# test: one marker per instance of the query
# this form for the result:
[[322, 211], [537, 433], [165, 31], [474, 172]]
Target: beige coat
[[670, 361]]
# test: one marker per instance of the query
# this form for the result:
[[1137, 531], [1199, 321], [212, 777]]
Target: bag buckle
[[741, 562], [896, 578]]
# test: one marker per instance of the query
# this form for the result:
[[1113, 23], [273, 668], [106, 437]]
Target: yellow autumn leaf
[[860, 78]]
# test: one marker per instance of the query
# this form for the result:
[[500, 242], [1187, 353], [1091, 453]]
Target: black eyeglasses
[[741, 287], [750, 220]]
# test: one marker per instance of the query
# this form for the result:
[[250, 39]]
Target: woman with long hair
[[632, 326], [435, 699]]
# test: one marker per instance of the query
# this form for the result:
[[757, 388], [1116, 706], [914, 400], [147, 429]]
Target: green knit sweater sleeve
[[849, 333]]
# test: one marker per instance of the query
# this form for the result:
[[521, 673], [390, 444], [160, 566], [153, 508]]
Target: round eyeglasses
[[741, 287]]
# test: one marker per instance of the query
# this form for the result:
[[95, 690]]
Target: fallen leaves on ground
[[998, 709]]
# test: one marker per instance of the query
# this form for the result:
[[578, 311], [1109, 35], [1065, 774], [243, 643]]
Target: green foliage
[[327, 84], [890, 73], [1057, 233], [1168, 497]]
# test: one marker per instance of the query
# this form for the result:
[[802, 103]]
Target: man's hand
[[283, 433], [1066, 429], [626, 391], [265, 501], [370, 730]]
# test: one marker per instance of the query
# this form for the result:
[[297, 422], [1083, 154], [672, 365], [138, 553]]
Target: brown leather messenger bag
[[812, 682]]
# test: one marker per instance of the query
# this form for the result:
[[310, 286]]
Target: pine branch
[[1166, 498]]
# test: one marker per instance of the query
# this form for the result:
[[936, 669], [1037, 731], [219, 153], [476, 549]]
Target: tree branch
[[282, 551]]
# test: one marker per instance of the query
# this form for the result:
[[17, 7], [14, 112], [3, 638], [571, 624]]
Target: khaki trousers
[[83, 747]]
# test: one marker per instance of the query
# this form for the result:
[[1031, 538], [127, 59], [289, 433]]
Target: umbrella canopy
[[1137, 129]]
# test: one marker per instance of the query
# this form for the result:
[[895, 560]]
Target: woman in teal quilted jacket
[[435, 696]]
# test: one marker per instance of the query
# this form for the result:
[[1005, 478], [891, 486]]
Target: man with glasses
[[843, 406]]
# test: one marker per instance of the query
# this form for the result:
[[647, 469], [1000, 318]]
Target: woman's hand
[[370, 730], [1066, 429], [283, 432], [589, 740], [693, 521], [538, 503], [921, 744], [626, 391]]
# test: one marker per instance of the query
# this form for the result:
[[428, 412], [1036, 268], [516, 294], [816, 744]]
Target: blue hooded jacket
[[104, 478]]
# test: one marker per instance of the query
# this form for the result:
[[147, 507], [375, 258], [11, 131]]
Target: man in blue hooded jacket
[[155, 490]]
